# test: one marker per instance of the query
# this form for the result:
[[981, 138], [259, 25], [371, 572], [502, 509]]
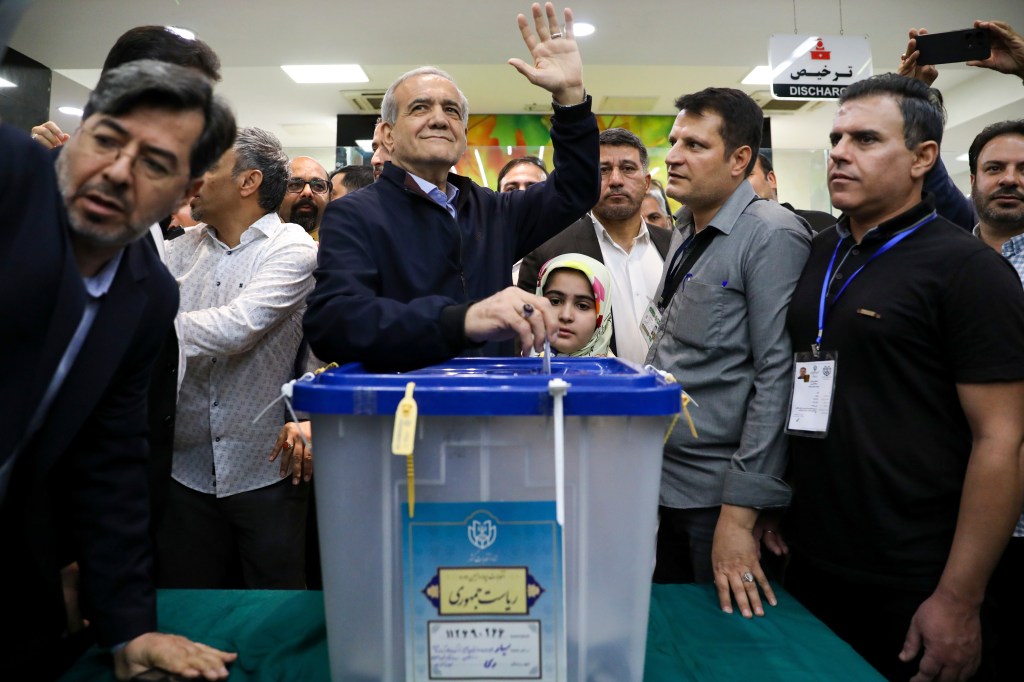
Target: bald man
[[308, 191]]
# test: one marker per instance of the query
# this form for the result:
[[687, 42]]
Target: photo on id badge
[[810, 398]]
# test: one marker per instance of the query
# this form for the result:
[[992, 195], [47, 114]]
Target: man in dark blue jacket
[[415, 269], [91, 305]]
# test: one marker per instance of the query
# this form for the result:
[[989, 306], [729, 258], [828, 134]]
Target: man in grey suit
[[615, 233]]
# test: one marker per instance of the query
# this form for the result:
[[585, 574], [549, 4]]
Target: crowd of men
[[153, 339]]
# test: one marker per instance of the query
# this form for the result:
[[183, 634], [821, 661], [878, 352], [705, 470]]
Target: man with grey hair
[[614, 233], [412, 268], [244, 276], [655, 207], [73, 467]]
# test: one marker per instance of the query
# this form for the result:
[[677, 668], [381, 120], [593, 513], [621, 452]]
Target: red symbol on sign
[[819, 51]]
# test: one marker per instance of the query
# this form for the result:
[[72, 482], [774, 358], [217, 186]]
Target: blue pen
[[724, 282]]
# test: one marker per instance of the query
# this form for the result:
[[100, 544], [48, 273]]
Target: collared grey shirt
[[723, 336], [240, 324]]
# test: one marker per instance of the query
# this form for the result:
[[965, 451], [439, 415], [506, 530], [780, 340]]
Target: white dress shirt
[[240, 323], [635, 278]]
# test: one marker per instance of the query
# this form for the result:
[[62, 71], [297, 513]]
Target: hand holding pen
[[503, 316]]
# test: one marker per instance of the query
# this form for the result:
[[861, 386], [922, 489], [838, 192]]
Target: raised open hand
[[557, 66]]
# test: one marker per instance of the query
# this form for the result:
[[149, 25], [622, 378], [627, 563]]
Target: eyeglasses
[[317, 185], [154, 164]]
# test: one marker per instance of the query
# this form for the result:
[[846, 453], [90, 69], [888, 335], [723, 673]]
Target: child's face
[[573, 300]]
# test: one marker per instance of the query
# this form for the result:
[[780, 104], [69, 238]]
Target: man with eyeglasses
[[243, 275], [306, 195], [91, 305]]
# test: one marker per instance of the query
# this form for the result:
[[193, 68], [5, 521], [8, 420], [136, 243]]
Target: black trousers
[[684, 545], [1006, 599], [252, 540], [872, 619]]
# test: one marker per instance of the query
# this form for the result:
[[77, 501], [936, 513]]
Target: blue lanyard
[[677, 257], [828, 274]]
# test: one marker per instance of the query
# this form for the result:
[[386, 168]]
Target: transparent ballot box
[[518, 542]]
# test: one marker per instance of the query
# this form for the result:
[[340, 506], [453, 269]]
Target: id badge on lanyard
[[810, 400], [814, 373]]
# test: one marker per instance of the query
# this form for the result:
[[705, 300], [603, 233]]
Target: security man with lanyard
[[905, 438]]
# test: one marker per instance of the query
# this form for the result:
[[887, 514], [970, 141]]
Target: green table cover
[[280, 635]]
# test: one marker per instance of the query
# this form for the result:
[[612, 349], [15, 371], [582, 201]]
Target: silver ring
[[770, 531], [556, 35], [34, 136], [748, 577]]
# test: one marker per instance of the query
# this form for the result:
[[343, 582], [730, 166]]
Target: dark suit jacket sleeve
[[352, 314], [108, 481], [572, 188], [950, 202], [529, 270], [577, 238]]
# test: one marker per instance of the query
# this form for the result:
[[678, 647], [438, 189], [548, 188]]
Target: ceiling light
[[963, 157], [760, 75], [71, 111], [183, 32], [4, 83], [326, 73], [582, 28]]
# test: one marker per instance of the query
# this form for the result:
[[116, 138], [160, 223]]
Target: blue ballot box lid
[[494, 386]]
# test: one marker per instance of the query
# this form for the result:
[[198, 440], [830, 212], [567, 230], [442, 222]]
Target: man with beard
[[615, 234], [73, 468], [996, 158], [306, 195]]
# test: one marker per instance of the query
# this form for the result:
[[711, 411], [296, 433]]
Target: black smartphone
[[954, 47]]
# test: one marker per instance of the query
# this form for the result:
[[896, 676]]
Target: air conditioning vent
[[364, 102], [770, 105]]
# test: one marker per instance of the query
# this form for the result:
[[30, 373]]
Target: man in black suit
[[614, 233], [88, 307]]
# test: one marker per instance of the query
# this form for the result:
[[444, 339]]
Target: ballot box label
[[483, 591], [480, 649]]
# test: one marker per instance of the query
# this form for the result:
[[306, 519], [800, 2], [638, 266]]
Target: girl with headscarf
[[579, 289]]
